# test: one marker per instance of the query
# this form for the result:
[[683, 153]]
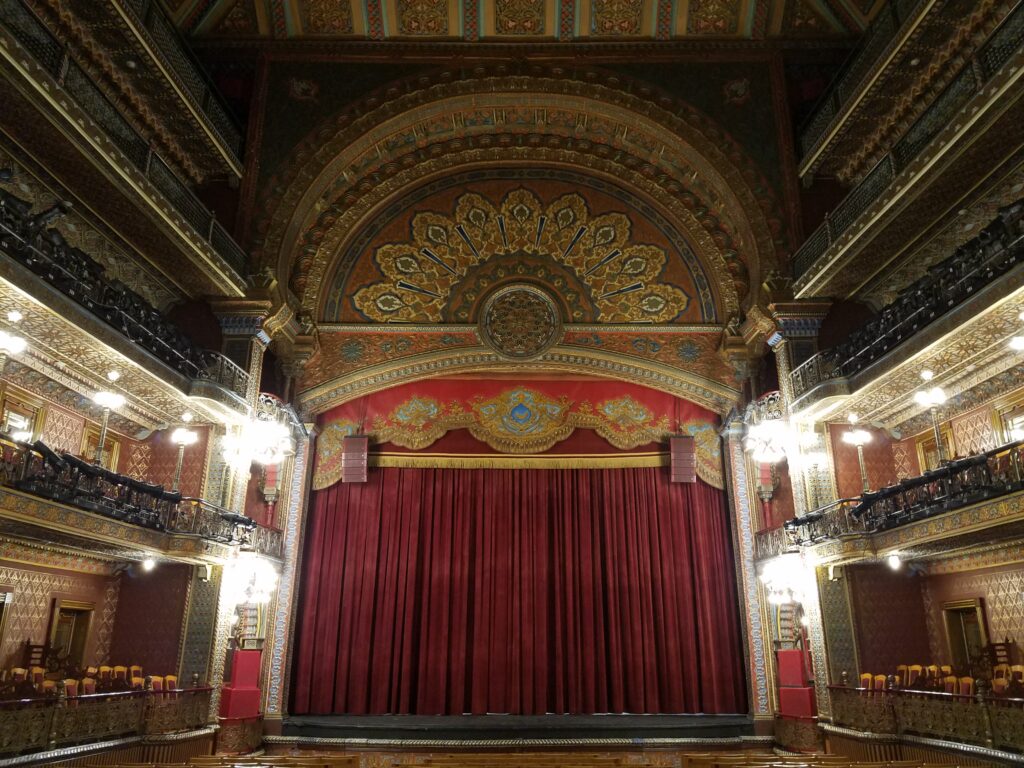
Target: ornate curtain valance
[[529, 424]]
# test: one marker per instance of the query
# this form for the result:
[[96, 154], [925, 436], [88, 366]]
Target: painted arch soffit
[[434, 255], [352, 164]]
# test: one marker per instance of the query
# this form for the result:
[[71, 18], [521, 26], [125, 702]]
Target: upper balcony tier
[[974, 499], [71, 307], [911, 51], [68, 127], [51, 497], [963, 148], [974, 294]]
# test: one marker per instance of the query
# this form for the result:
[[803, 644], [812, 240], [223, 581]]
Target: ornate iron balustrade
[[36, 724], [974, 265], [994, 722], [772, 542], [168, 46], [24, 236], [829, 522], [960, 482], [997, 50], [69, 480], [52, 56]]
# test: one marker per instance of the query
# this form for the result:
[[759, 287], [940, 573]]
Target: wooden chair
[[138, 683], [866, 680], [933, 671], [950, 683], [945, 669], [157, 682], [48, 687], [966, 686], [88, 686], [135, 671], [1017, 672], [914, 673], [36, 675], [105, 673], [902, 672], [879, 682], [120, 672], [19, 674], [1000, 685]]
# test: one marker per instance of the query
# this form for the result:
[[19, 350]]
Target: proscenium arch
[[668, 150], [707, 393]]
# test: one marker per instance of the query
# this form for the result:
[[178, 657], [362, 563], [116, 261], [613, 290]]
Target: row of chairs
[[964, 686], [128, 677]]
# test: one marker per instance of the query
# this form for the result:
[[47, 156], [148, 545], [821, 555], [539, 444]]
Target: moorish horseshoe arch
[[351, 165]]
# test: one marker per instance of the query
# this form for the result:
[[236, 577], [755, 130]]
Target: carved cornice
[[705, 392]]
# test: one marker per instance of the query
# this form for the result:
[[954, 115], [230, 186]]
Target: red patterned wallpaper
[[1001, 589], [878, 458], [974, 432], [889, 618], [904, 459], [34, 590], [164, 457], [151, 617]]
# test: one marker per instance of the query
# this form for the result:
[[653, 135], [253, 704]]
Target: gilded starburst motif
[[449, 258]]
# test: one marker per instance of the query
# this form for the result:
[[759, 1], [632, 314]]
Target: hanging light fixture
[[932, 399], [859, 438], [108, 401], [768, 431]]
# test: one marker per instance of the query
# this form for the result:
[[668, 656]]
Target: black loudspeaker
[[354, 452], [683, 454]]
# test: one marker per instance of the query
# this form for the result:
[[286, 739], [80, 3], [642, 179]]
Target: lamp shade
[[111, 400]]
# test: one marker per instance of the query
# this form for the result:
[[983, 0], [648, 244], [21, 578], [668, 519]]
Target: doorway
[[965, 632], [70, 632]]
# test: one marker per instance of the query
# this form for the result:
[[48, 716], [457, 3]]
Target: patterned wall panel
[[974, 432], [904, 459], [31, 605], [840, 637], [200, 623], [1002, 590], [878, 459], [520, 17], [889, 617], [140, 459], [150, 618], [63, 430], [164, 459]]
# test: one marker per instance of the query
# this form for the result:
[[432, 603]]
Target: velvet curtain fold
[[451, 591]]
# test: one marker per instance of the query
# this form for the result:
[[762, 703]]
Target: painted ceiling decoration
[[523, 20], [363, 167], [609, 267]]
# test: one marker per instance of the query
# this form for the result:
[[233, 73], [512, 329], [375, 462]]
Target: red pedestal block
[[240, 697], [792, 668], [797, 702]]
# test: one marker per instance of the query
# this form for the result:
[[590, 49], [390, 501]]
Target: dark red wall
[[151, 617]]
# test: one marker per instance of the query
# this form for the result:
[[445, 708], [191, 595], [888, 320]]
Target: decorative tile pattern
[[714, 17], [567, 20], [63, 431], [423, 17], [240, 20], [801, 18], [320, 18], [52, 556], [471, 19], [840, 638], [140, 458], [904, 459], [612, 18], [974, 432], [519, 17], [200, 623]]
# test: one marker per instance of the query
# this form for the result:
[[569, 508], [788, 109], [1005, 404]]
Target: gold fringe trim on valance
[[517, 461]]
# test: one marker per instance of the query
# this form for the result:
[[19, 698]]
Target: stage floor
[[502, 728]]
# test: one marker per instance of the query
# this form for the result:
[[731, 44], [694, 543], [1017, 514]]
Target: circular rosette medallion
[[520, 322]]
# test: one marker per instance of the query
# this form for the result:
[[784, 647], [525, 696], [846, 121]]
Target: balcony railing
[[175, 54], [877, 38], [25, 238], [973, 266], [986, 721], [52, 56], [956, 484], [51, 722], [69, 480], [997, 50]]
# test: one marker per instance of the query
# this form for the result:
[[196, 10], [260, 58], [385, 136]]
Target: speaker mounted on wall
[[354, 452], [683, 454]]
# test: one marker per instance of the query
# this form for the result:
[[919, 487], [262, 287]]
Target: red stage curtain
[[451, 591]]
